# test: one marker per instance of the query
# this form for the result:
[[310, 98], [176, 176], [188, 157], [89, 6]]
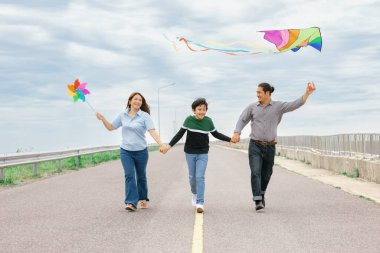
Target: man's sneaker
[[259, 205], [130, 207], [194, 200], [143, 204], [200, 208]]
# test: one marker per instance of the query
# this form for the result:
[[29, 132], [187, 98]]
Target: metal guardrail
[[350, 145], [17, 159]]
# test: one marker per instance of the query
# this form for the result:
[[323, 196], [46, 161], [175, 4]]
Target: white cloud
[[98, 56], [118, 47]]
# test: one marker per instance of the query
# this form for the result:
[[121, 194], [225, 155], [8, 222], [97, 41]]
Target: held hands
[[235, 138], [164, 148]]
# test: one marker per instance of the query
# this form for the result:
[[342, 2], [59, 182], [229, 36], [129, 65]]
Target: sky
[[119, 47]]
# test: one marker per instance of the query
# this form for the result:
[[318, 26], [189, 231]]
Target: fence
[[17, 159], [350, 145], [356, 155]]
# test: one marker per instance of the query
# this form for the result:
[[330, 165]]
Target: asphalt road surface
[[83, 211]]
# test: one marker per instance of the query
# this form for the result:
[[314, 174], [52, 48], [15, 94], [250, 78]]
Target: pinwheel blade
[[71, 87], [82, 97], [70, 93], [76, 84], [82, 86], [85, 91]]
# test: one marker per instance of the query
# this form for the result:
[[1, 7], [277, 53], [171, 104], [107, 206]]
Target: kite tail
[[187, 44], [234, 52]]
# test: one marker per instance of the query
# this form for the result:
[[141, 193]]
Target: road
[[83, 211]]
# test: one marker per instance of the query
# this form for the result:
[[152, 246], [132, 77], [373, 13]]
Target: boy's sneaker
[[130, 207], [194, 200], [143, 204], [200, 208]]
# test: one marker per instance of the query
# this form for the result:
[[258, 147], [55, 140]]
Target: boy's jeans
[[197, 164]]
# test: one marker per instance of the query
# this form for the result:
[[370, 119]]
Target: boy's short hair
[[198, 102]]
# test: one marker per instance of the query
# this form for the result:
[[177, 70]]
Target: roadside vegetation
[[355, 174], [20, 174]]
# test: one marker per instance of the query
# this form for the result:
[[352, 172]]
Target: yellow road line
[[198, 234]]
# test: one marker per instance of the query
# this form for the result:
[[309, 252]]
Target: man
[[265, 115]]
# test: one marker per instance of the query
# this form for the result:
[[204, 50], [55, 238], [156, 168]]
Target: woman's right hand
[[164, 148], [107, 125], [99, 116]]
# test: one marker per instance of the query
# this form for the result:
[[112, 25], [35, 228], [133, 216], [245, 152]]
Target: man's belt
[[265, 143]]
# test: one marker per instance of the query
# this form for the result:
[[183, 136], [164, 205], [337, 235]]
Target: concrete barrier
[[350, 166], [356, 167]]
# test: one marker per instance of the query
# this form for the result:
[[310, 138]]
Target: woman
[[135, 121]]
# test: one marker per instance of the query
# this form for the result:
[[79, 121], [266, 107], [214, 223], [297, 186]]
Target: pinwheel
[[78, 91]]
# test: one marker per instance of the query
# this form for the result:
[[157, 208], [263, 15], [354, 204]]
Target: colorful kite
[[284, 40], [78, 91], [294, 39]]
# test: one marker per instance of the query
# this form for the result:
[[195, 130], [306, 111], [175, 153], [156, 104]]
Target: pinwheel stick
[[90, 106]]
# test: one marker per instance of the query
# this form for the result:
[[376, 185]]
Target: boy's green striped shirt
[[202, 126], [197, 141]]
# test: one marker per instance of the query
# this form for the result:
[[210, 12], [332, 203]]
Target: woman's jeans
[[261, 160], [197, 164], [134, 164]]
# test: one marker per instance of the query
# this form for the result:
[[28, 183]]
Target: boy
[[197, 126]]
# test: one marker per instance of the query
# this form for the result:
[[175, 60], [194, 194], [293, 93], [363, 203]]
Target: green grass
[[366, 198], [356, 174], [153, 148], [19, 174]]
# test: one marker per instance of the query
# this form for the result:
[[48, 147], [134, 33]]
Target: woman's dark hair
[[266, 87], [199, 101], [144, 106]]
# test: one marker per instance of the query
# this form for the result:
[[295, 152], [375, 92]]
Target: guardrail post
[[1, 174], [77, 159], [35, 170], [59, 165]]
